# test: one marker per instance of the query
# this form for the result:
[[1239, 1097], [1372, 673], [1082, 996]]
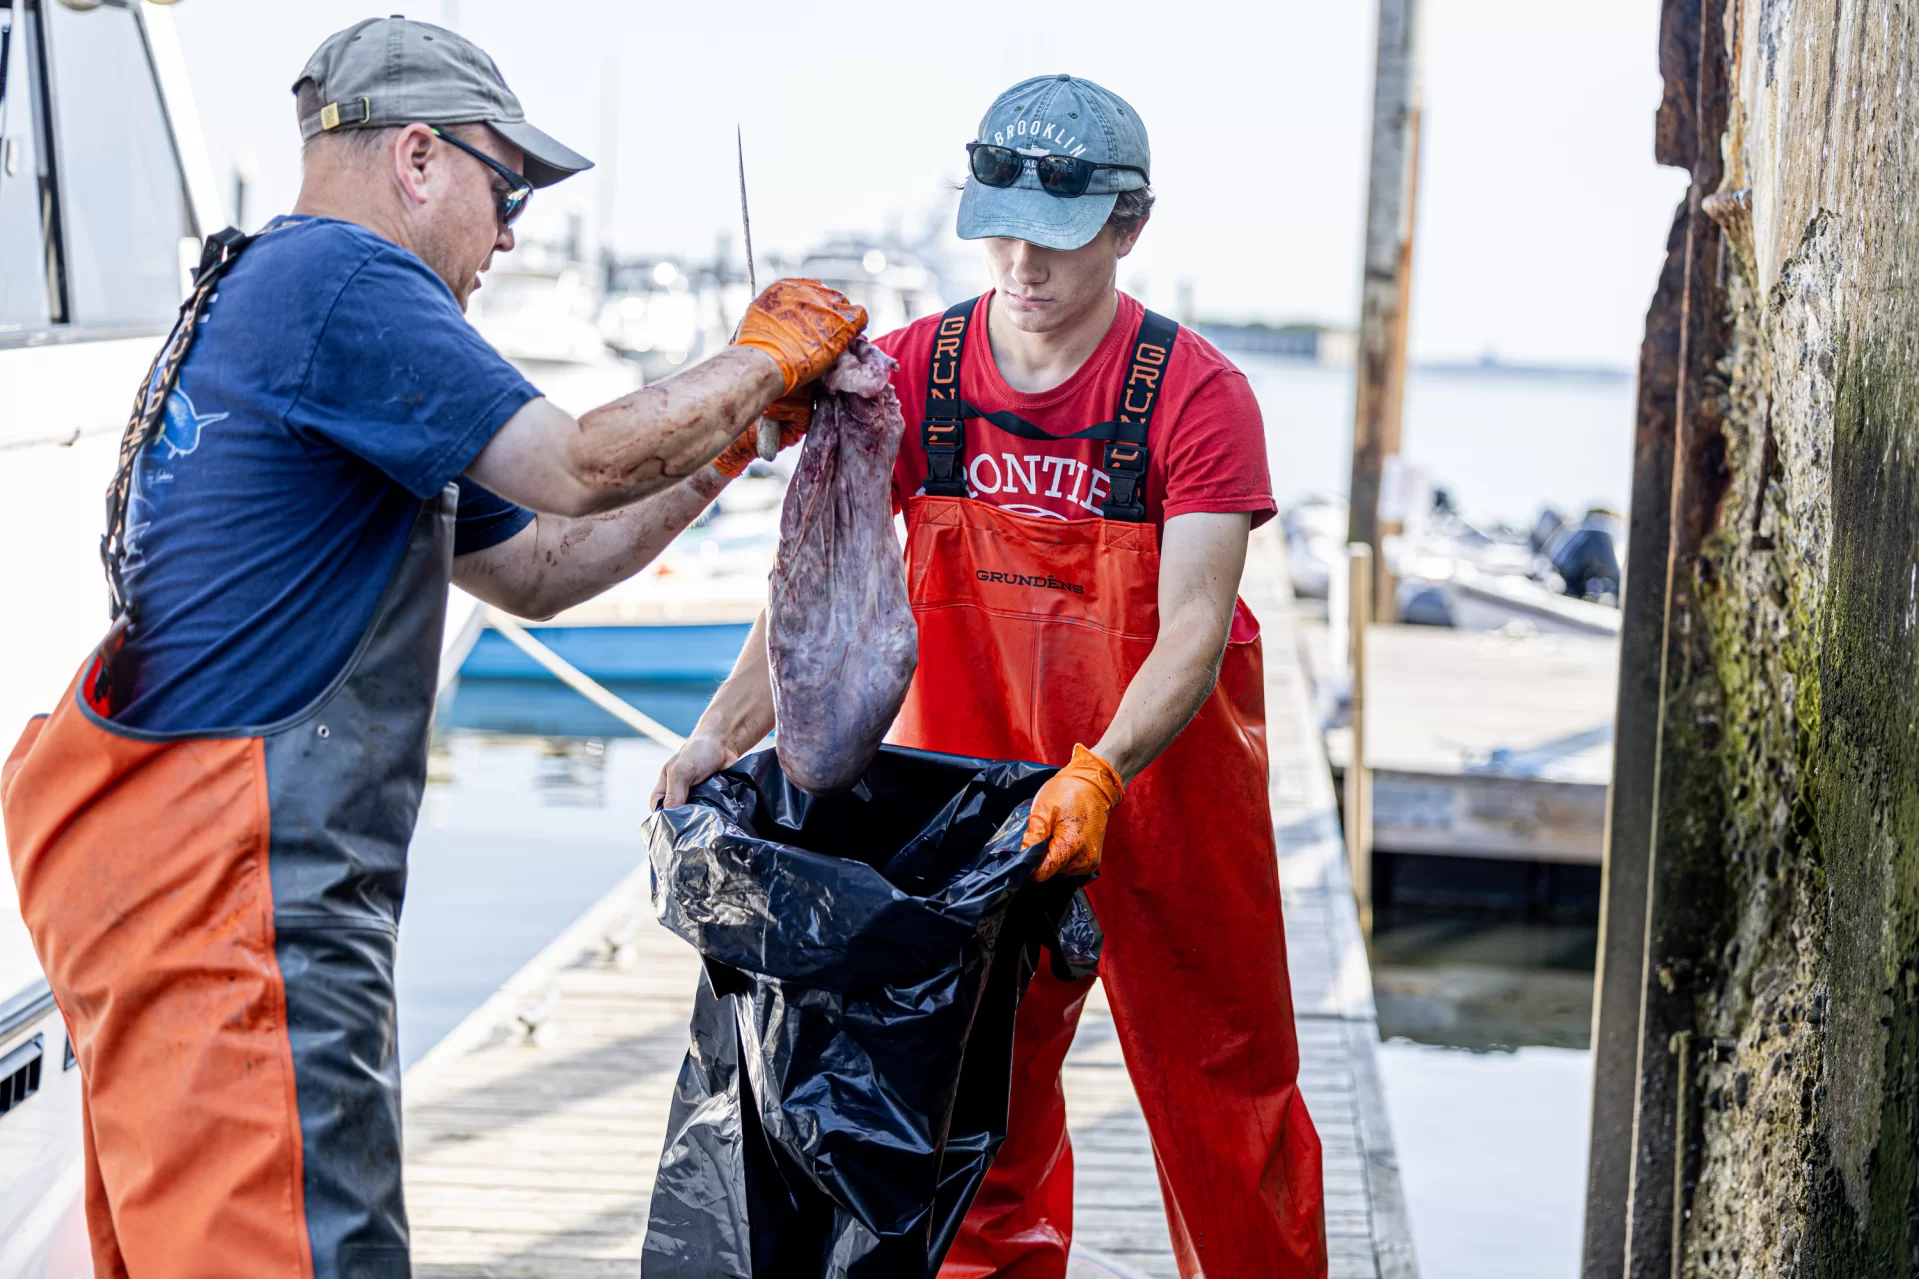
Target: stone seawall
[[1777, 1114]]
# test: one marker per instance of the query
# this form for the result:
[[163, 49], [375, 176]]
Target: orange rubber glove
[[1071, 811], [793, 412], [803, 325]]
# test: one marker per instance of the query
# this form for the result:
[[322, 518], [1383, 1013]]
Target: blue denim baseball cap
[[1056, 115]]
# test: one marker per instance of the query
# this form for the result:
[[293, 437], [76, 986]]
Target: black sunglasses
[[518, 189], [1065, 176]]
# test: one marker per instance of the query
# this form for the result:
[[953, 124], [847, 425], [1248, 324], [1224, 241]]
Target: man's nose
[[1029, 264], [503, 242]]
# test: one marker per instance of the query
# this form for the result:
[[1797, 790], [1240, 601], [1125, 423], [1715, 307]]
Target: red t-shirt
[[1206, 446]]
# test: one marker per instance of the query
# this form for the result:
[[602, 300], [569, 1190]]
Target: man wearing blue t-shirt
[[209, 832]]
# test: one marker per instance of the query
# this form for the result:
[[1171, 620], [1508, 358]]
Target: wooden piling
[[1359, 778], [1386, 282]]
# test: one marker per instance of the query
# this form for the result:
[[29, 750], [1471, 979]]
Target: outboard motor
[[1587, 558]]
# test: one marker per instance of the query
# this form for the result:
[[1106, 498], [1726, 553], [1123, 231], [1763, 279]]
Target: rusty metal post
[[1628, 846], [1359, 778], [1386, 282], [1661, 879], [1627, 869], [1681, 880]]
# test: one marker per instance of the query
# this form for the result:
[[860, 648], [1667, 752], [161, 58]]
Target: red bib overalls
[[1030, 630]]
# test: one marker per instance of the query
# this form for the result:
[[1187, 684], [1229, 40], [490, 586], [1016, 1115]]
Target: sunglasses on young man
[[512, 201], [1065, 176]]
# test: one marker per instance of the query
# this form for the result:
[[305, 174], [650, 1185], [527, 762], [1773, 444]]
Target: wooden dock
[[1482, 743], [533, 1129]]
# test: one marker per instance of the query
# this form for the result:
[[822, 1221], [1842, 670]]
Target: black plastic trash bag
[[847, 1083]]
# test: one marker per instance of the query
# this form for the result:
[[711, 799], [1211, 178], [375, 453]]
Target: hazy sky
[[1542, 215]]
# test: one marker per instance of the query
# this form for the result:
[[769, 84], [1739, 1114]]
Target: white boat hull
[[53, 499], [1485, 602], [43, 1229]]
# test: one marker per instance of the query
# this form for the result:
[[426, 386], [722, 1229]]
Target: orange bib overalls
[[216, 912]]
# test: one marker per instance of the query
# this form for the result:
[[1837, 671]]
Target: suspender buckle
[[1126, 472], [945, 443]]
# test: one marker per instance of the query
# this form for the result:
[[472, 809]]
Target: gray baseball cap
[[1056, 115], [388, 72]]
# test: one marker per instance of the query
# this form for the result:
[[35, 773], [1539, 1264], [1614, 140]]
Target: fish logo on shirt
[[180, 428], [183, 424]]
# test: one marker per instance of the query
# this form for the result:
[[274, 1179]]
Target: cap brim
[[546, 160], [1027, 213]]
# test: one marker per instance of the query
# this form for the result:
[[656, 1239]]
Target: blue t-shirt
[[334, 386]]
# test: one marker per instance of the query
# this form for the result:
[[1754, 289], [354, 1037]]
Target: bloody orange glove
[[793, 412], [1071, 811], [803, 325]]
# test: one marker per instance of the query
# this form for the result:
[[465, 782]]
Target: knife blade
[[768, 438]]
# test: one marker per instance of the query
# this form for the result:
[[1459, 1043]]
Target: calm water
[[1492, 1153], [1482, 971], [1504, 445], [518, 836]]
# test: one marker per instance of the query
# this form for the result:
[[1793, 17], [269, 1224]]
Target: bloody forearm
[[656, 437], [558, 562]]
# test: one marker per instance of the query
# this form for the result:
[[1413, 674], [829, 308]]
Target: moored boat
[[105, 193], [1474, 575]]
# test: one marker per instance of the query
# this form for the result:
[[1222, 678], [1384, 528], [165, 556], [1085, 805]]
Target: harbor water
[[517, 836], [1503, 442]]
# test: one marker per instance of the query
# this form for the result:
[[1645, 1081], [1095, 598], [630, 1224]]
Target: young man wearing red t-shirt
[[1078, 498]]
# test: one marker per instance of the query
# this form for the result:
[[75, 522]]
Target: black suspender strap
[[943, 431], [1126, 453], [220, 251]]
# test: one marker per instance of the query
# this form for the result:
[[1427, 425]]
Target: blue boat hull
[[668, 672]]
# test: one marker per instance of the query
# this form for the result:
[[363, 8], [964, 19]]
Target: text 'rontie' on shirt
[[1207, 445]]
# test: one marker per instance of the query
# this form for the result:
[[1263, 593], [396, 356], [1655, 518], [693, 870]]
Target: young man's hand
[[692, 764], [803, 325], [1071, 812]]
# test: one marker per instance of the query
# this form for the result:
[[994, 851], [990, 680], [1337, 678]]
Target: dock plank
[[534, 1128]]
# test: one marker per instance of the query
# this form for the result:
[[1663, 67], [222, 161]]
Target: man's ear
[[411, 153], [1128, 238]]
